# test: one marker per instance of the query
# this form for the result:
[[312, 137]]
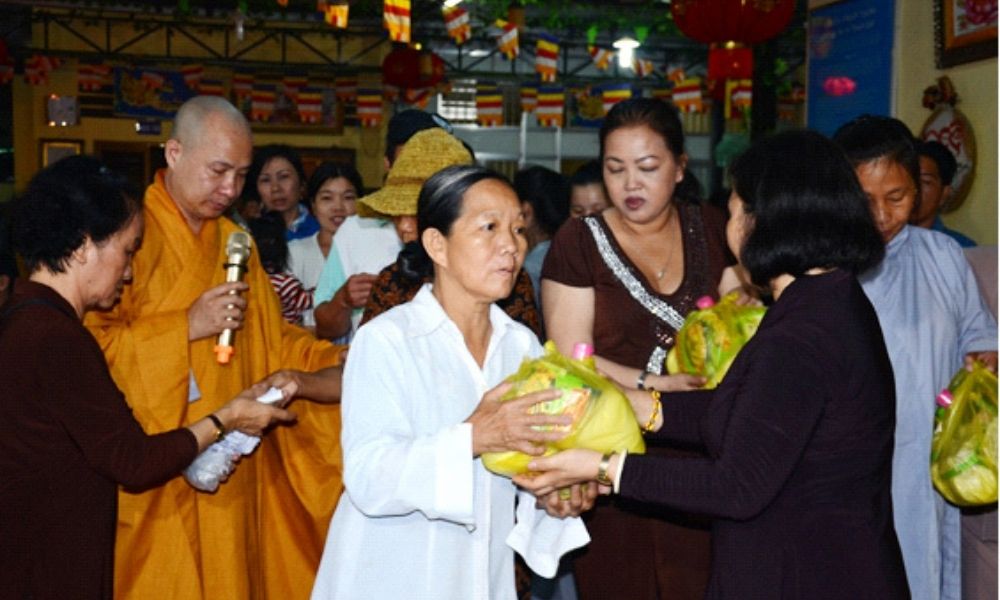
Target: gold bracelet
[[602, 469], [220, 431], [656, 411]]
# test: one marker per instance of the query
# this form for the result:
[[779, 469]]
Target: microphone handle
[[224, 347]]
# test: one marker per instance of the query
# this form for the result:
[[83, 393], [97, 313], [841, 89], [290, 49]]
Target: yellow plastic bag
[[712, 336], [964, 447], [602, 416]]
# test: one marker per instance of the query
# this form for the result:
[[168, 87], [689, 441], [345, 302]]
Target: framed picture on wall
[[53, 150], [964, 31]]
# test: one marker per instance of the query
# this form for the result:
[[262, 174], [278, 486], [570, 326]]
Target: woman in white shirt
[[331, 195], [421, 516]]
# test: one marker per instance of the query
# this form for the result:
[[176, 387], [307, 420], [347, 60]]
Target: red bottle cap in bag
[[582, 350], [944, 398]]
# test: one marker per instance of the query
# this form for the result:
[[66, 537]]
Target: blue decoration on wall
[[850, 62]]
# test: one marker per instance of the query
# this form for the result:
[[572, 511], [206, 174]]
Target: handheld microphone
[[237, 254]]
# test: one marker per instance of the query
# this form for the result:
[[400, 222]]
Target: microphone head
[[238, 247]]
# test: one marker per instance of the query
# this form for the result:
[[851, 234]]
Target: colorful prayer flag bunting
[[489, 104], [242, 85], [153, 80], [456, 20], [739, 96], [642, 67], [370, 107], [38, 67], [601, 57], [396, 18], [547, 57], [335, 15], [292, 84], [211, 87], [687, 95], [507, 42], [192, 75], [551, 101], [262, 102], [613, 93], [663, 93], [310, 105], [346, 89], [92, 75], [529, 97]]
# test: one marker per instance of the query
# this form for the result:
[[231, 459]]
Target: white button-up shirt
[[420, 518]]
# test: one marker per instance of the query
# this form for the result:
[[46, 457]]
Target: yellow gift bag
[[964, 446], [712, 336], [602, 416]]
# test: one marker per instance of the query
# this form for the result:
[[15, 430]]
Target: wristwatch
[[602, 470]]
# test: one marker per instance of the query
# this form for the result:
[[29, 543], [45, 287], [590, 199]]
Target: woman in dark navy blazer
[[799, 435]]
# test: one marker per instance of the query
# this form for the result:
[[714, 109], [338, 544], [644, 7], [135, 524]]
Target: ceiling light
[[626, 51]]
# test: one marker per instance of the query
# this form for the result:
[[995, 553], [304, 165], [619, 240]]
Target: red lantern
[[407, 67], [730, 61], [746, 21]]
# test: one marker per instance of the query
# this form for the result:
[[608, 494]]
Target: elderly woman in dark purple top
[[68, 437], [799, 435]]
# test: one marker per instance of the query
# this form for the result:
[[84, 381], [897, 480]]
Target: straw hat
[[424, 154]]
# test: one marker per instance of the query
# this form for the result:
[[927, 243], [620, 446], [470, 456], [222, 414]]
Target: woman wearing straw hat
[[426, 153]]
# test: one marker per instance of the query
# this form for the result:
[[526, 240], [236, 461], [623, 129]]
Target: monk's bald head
[[208, 156], [193, 118]]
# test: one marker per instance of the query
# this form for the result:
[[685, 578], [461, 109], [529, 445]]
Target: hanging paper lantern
[[729, 25], [407, 67], [396, 18], [730, 61], [745, 21]]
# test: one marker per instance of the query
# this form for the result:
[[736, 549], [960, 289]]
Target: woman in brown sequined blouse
[[623, 280]]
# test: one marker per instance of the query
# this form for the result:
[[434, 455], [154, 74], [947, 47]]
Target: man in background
[[937, 171]]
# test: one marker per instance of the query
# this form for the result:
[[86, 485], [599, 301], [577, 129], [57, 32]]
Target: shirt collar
[[299, 220], [429, 315], [897, 242]]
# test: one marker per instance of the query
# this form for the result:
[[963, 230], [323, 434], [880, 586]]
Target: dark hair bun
[[414, 262]]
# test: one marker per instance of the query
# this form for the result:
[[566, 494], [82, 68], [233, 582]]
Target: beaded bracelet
[[656, 411]]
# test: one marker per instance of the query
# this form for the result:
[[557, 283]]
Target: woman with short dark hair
[[69, 436], [277, 178], [799, 433]]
